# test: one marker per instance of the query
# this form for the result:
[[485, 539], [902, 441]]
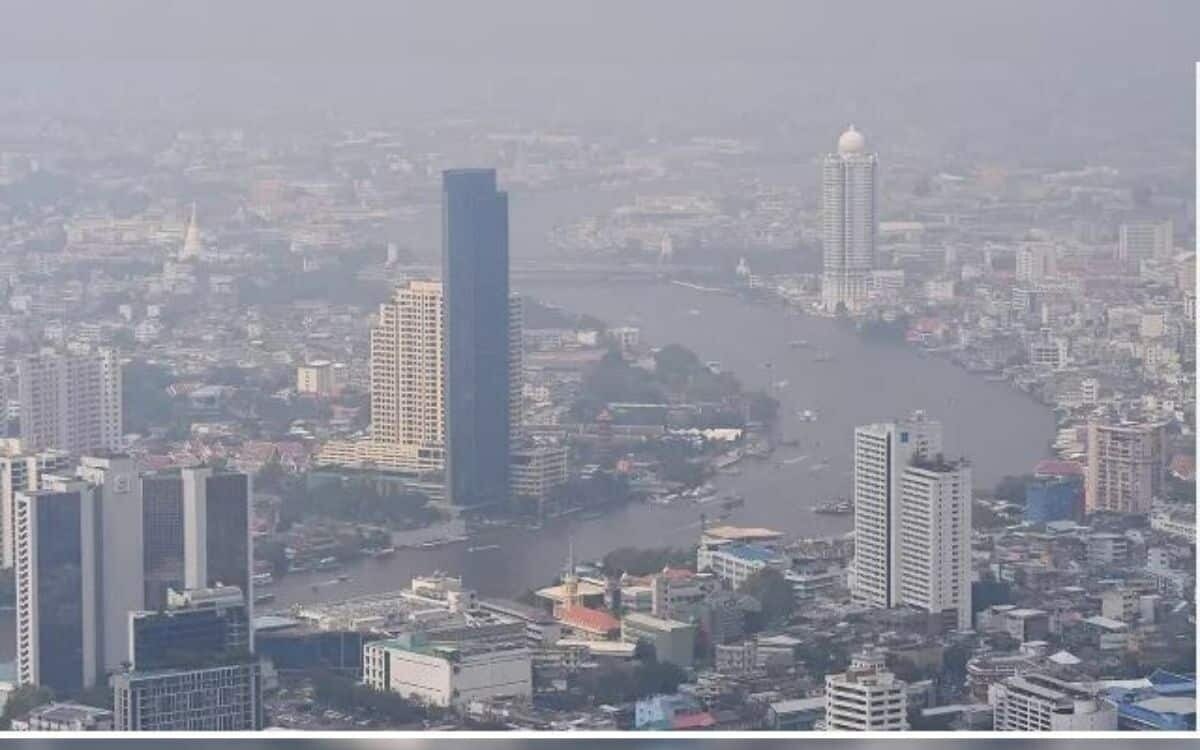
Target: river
[[1000, 430]]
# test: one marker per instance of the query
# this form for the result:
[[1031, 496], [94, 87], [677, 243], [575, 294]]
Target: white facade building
[[935, 539], [1037, 703], [70, 402], [881, 454], [447, 674], [1036, 261], [849, 223], [21, 472], [866, 698]]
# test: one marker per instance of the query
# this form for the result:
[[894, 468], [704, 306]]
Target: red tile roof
[[1052, 468], [592, 620], [702, 720]]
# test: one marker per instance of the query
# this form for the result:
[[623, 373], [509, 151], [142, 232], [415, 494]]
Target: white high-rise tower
[[934, 565], [882, 452], [849, 223]]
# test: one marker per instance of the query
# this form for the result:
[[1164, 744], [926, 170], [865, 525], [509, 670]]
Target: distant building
[[1145, 240], [447, 675], [1054, 499], [796, 715], [320, 378], [1126, 464], [20, 471], [70, 402], [866, 698], [537, 470], [1107, 548], [673, 641], [1167, 703], [1036, 261], [65, 717], [1038, 703], [849, 223]]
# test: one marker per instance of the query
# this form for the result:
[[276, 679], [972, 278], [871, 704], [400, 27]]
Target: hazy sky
[[1063, 71]]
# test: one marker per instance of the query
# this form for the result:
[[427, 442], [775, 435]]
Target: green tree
[[23, 700], [773, 592]]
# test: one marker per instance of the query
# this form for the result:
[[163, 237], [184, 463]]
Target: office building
[[216, 530], [192, 667], [70, 402], [537, 470], [673, 641], [1036, 261], [478, 336], [114, 480], [162, 536], [211, 621], [59, 607], [223, 697], [934, 562], [849, 223], [320, 378], [1039, 703], [1145, 240], [1126, 465], [447, 674], [1054, 499], [881, 454], [20, 471], [866, 698]]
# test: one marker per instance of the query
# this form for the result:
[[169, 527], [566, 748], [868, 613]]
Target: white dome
[[851, 142]]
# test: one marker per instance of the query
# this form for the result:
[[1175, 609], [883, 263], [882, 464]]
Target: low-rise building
[[673, 641], [65, 717], [866, 697], [1038, 703], [445, 674]]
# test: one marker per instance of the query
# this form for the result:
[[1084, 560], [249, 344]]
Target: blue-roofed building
[[734, 562], [1167, 703]]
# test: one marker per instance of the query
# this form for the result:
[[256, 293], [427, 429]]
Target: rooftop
[[742, 533]]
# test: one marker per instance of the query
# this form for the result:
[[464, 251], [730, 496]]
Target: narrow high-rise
[[477, 340], [849, 223], [882, 452], [70, 402], [21, 471], [934, 563], [59, 608], [1125, 467], [407, 376]]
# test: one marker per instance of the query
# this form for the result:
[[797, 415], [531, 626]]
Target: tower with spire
[[191, 239]]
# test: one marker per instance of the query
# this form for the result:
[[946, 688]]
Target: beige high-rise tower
[[407, 369], [408, 384]]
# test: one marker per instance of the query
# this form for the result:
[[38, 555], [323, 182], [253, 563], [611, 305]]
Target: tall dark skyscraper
[[475, 289]]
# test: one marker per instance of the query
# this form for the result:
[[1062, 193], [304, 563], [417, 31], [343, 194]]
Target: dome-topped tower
[[851, 142]]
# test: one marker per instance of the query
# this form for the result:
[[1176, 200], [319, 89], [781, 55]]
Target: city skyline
[[845, 354]]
